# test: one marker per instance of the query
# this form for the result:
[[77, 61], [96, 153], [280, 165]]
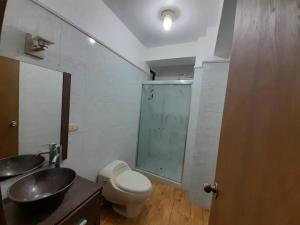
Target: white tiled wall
[[212, 83], [174, 72], [106, 90]]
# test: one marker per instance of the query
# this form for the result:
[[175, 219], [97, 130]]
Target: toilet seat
[[134, 182]]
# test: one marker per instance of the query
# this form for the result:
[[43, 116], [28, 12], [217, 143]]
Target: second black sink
[[21, 164]]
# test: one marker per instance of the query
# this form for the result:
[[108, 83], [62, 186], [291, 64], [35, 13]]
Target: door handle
[[211, 188], [83, 222], [13, 123]]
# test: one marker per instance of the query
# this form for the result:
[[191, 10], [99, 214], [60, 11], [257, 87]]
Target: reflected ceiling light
[[92, 41], [168, 18]]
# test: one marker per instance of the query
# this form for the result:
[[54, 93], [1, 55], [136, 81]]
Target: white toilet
[[125, 188]]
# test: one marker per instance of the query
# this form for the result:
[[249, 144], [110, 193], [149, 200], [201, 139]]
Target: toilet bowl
[[125, 188]]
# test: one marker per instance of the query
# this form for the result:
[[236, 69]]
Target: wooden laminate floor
[[166, 206]]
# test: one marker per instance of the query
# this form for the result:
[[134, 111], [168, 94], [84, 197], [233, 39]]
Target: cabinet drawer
[[87, 214]]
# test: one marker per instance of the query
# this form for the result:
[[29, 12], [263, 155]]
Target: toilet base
[[129, 211]]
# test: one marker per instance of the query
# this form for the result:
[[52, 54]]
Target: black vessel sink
[[17, 165], [42, 187]]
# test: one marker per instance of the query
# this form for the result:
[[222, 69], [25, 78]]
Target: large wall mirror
[[34, 108]]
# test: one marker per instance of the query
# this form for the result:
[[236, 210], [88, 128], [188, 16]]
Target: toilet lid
[[133, 182]]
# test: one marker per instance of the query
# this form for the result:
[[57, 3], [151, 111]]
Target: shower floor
[[171, 170]]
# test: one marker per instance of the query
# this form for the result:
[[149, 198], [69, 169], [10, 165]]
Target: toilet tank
[[111, 171]]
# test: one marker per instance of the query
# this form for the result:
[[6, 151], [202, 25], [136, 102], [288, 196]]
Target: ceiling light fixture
[[167, 17]]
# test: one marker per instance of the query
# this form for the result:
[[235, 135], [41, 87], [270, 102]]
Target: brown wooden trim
[[65, 112], [3, 4]]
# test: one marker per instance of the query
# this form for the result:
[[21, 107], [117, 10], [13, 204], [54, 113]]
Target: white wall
[[98, 21], [225, 35], [105, 91], [39, 108], [192, 129], [174, 72], [203, 49], [205, 127], [171, 51], [206, 46]]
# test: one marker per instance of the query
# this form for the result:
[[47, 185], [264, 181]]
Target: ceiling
[[142, 17]]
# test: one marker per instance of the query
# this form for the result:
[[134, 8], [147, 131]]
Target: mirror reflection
[[32, 96], [40, 100]]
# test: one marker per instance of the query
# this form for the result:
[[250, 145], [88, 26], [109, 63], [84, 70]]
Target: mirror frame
[[2, 11], [65, 114]]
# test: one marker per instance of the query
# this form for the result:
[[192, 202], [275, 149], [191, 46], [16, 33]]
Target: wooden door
[[258, 170], [9, 100]]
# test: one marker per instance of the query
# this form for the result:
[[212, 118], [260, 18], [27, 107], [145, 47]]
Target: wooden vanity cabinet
[[86, 214], [80, 206]]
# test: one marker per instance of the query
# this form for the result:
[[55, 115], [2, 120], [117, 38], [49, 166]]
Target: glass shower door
[[163, 128]]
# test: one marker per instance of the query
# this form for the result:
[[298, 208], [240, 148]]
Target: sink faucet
[[54, 155]]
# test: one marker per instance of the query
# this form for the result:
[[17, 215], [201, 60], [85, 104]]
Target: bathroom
[[113, 111]]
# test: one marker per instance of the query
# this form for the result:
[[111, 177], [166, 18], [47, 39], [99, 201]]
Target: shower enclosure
[[165, 110]]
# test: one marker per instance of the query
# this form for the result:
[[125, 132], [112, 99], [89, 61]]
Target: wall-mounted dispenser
[[36, 46], [73, 127]]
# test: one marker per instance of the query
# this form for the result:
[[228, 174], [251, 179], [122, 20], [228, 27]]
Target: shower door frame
[[165, 82]]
